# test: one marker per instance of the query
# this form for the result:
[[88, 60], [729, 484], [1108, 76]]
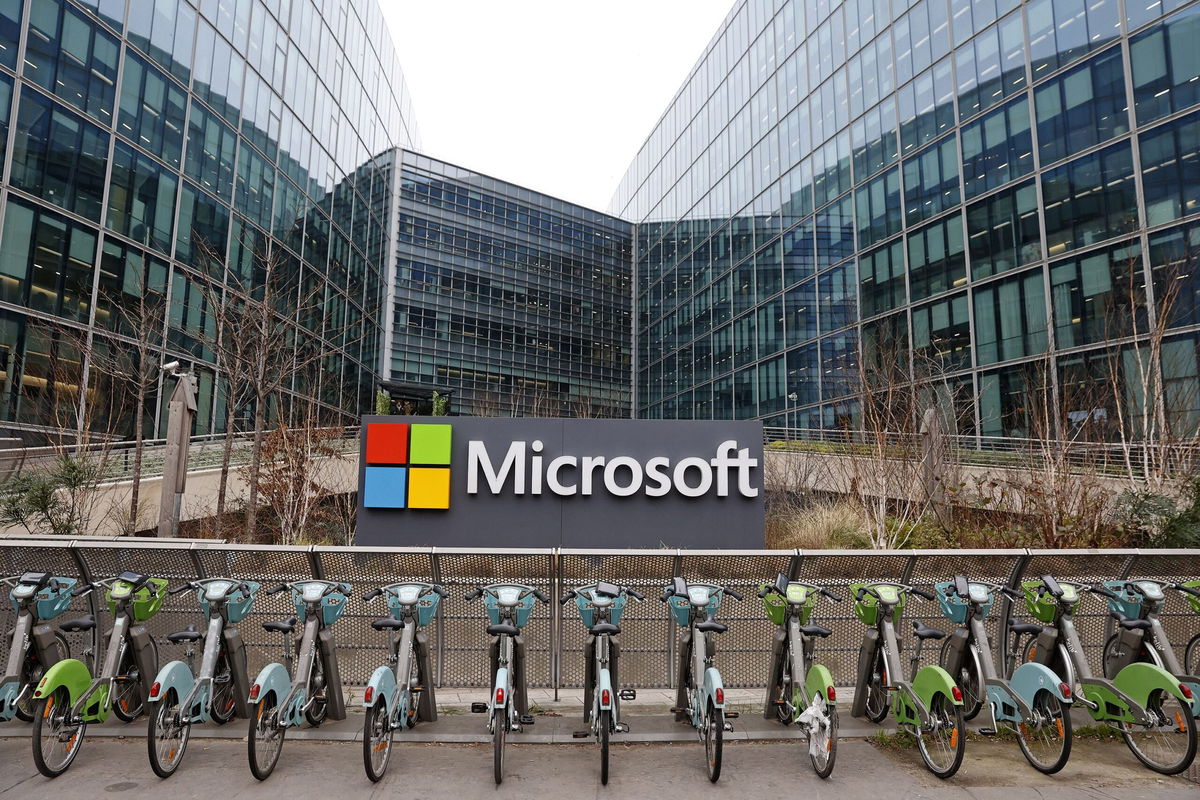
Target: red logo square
[[387, 443]]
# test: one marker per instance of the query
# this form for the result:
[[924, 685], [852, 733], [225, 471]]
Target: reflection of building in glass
[[141, 134], [998, 192], [515, 302]]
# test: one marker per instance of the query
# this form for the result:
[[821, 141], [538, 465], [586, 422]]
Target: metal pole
[[181, 412]]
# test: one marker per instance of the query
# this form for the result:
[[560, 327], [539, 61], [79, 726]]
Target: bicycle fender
[[272, 678], [1140, 680], [1193, 683], [501, 683], [175, 675], [383, 684], [932, 680], [8, 698], [712, 682], [818, 681], [605, 685], [1029, 679], [70, 673]]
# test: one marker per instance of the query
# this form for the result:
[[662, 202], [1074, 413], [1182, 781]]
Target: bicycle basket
[[1193, 601], [681, 607], [1043, 607], [146, 601], [867, 609], [954, 608], [776, 608], [51, 603], [587, 609], [523, 609], [237, 605], [1130, 604], [333, 605], [426, 607]]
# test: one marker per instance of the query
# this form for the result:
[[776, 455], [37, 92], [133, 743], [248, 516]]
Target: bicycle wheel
[[967, 677], [377, 740], [1045, 740], [499, 718], [943, 744], [127, 701], [318, 708], [222, 706], [1114, 661], [32, 671], [877, 695], [166, 736], [822, 736], [1191, 656], [783, 708], [714, 728], [56, 738], [265, 739], [605, 723], [1169, 745]]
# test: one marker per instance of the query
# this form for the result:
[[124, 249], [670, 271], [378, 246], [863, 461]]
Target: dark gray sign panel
[[522, 482]]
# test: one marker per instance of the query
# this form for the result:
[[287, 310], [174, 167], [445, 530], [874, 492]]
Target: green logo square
[[429, 444]]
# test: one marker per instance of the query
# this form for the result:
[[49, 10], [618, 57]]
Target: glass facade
[[142, 137], [1007, 189], [512, 301]]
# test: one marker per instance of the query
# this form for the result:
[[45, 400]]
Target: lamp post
[[181, 411], [792, 398]]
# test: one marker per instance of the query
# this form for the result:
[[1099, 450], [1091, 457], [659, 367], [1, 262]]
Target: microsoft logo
[[408, 466]]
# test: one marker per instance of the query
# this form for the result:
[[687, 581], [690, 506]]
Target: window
[[882, 273], [936, 261], [165, 30], [47, 262], [70, 56], [799, 253], [803, 375], [839, 365], [210, 152], [1175, 261], [770, 328], [1003, 231], [831, 169], [838, 298], [1005, 400], [1061, 31], [878, 208], [59, 156], [991, 66], [969, 16], [203, 230], [922, 37], [1165, 62], [1139, 13], [141, 199], [1090, 199], [801, 307], [744, 335], [772, 386], [190, 326], [1099, 296], [885, 350], [1010, 318], [152, 110], [997, 148], [870, 75], [931, 181], [130, 283], [926, 107], [6, 92], [10, 31], [1171, 170], [745, 400], [941, 334], [835, 232], [874, 140], [1082, 108], [111, 11]]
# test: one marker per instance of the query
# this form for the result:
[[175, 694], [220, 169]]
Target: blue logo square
[[385, 487]]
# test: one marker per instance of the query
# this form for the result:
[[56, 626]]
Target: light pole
[[180, 412], [792, 398]]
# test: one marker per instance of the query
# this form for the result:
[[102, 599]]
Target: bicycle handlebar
[[525, 590], [440, 591]]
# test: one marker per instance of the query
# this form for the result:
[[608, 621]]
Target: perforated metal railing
[[554, 635]]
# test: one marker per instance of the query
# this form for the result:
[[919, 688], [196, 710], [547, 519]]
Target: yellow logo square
[[429, 487]]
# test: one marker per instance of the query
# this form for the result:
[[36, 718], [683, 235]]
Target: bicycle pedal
[[732, 714], [627, 694], [681, 711], [581, 734], [527, 719], [729, 727], [479, 708], [987, 731], [622, 727]]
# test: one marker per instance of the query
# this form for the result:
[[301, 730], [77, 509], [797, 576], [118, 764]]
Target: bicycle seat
[[188, 635], [815, 630], [923, 631], [1026, 627], [282, 626], [1134, 624], [80, 624], [605, 627], [710, 626], [388, 624], [503, 629]]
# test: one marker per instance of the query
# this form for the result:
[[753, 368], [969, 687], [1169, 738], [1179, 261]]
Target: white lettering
[[635, 470], [681, 477], [552, 479], [514, 461], [656, 473], [589, 465], [535, 474]]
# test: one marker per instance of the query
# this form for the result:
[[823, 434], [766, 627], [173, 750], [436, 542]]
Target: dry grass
[[817, 527]]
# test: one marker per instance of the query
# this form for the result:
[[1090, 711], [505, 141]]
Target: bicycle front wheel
[[56, 736], [1191, 657], [605, 724], [127, 700], [498, 724], [265, 739], [968, 679], [1045, 739], [714, 729], [167, 736], [377, 740], [877, 695], [1169, 744], [822, 739], [943, 742], [223, 705]]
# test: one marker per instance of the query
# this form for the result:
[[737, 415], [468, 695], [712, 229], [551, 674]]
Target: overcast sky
[[556, 95]]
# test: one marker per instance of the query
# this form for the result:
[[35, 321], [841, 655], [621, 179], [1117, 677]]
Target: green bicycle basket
[[1044, 607], [146, 600], [776, 605], [867, 609], [1193, 601]]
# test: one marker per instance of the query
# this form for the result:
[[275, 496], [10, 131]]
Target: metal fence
[[554, 635]]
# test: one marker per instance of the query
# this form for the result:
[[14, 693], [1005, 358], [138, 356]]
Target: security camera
[[170, 367]]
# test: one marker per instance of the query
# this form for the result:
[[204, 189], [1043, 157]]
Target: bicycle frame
[[29, 599], [703, 679], [392, 685]]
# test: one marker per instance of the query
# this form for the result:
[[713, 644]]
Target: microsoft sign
[[484, 482]]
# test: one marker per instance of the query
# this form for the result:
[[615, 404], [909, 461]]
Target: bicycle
[[600, 606], [931, 705], [699, 684], [508, 607], [1141, 637], [1135, 701], [281, 700], [37, 597], [68, 698], [179, 697], [1035, 704], [812, 704], [395, 693]]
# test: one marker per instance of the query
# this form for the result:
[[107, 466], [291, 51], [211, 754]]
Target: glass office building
[[999, 188], [153, 145], [513, 302]]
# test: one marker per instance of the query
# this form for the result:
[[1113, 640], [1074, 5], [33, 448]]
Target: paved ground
[[217, 769]]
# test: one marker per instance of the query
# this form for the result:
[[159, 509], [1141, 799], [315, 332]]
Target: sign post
[[180, 412]]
